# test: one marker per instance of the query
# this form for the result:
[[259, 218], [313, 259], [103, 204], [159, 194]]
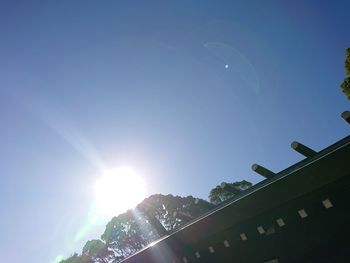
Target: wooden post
[[262, 171], [302, 149]]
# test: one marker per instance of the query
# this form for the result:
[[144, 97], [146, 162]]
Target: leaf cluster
[[345, 86], [153, 218]]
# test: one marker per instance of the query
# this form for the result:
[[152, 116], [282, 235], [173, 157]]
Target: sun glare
[[117, 191]]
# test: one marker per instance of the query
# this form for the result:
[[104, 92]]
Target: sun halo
[[118, 190]]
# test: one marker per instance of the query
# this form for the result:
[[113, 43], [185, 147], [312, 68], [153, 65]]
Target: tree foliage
[[153, 218], [97, 251], [220, 193], [129, 232], [174, 211], [75, 258], [345, 86]]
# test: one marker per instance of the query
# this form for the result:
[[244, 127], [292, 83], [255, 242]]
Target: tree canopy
[[225, 191], [153, 218], [345, 86], [131, 231], [97, 251]]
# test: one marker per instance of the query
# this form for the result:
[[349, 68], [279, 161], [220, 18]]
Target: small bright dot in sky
[[117, 191], [226, 66]]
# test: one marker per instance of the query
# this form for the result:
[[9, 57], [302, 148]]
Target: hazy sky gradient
[[189, 93]]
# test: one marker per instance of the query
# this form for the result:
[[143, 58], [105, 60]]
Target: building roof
[[308, 176]]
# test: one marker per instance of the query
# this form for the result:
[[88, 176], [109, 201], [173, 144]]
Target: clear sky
[[188, 93]]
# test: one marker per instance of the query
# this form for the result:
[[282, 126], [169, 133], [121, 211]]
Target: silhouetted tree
[[75, 258], [97, 251], [345, 86], [226, 191], [174, 211], [129, 232], [154, 217]]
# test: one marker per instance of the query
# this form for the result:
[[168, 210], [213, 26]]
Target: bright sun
[[117, 191]]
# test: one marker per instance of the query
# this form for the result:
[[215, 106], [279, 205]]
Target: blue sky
[[190, 93]]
